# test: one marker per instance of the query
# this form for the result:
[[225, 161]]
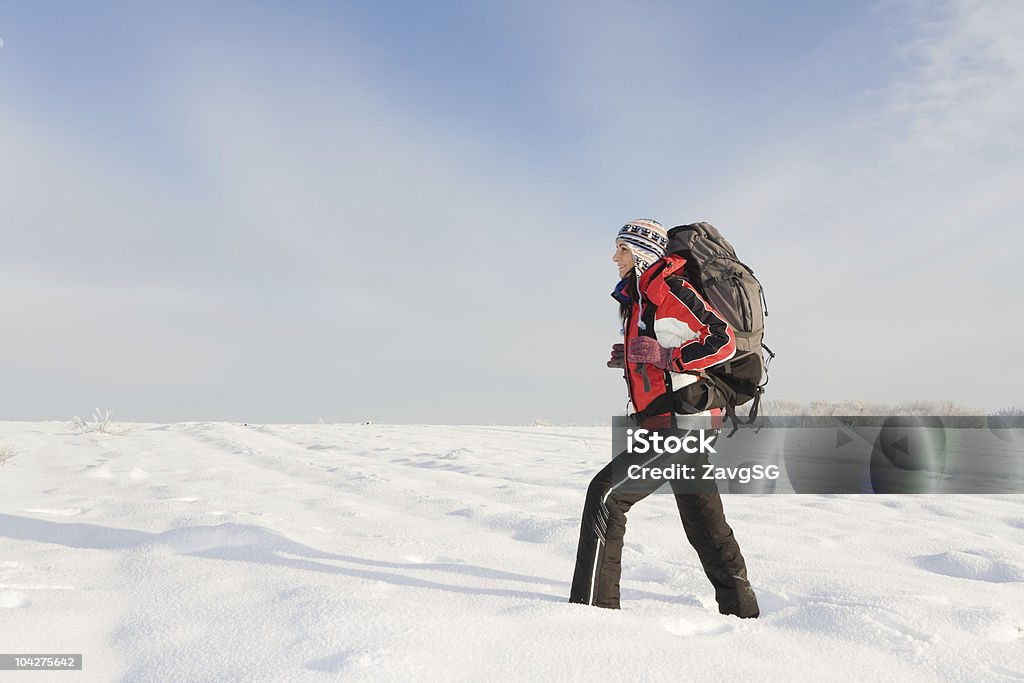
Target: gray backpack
[[729, 285]]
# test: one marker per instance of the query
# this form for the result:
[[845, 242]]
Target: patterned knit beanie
[[647, 239]]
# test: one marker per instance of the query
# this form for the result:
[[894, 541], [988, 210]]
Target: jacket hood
[[672, 264]]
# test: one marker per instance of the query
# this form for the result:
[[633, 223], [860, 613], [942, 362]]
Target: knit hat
[[647, 239]]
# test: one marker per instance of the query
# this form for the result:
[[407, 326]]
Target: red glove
[[648, 350], [618, 359]]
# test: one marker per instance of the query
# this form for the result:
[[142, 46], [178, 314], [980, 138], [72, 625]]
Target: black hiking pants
[[610, 496]]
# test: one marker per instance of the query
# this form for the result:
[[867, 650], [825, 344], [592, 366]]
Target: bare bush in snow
[[776, 407], [926, 407], [100, 424], [860, 407], [1012, 411], [6, 453]]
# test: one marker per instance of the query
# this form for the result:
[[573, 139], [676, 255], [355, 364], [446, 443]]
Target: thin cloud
[[963, 90], [351, 256]]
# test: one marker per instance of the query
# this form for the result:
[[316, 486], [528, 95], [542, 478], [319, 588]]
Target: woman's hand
[[647, 350], [618, 359]]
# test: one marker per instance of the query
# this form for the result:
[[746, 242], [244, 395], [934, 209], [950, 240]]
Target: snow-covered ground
[[216, 552]]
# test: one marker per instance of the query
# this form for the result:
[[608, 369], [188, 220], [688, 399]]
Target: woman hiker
[[668, 330]]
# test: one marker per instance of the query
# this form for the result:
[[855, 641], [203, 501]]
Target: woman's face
[[623, 258]]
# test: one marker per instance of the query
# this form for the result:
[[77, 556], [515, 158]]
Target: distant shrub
[[100, 424], [6, 453], [925, 407], [1012, 411], [778, 407], [853, 407]]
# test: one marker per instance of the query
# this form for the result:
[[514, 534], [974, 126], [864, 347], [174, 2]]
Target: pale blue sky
[[405, 211]]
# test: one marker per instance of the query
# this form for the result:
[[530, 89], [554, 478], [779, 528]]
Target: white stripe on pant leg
[[600, 543]]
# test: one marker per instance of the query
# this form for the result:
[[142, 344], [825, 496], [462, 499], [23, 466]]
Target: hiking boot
[[740, 602]]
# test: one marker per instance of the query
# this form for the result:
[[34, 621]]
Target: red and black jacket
[[671, 311]]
